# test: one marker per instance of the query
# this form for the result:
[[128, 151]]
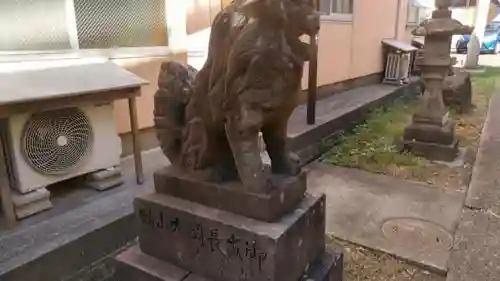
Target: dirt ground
[[362, 264]]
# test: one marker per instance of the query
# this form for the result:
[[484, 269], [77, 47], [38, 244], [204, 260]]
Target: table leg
[[8, 205], [5, 192], [139, 173]]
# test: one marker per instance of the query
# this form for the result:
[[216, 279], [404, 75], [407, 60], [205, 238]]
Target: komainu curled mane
[[208, 122]]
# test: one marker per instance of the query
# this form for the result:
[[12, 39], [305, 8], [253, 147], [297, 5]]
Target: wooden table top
[[67, 81]]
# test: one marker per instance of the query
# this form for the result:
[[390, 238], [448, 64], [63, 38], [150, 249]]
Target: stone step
[[337, 113], [133, 265]]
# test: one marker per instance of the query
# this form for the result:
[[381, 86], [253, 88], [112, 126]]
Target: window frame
[[420, 11], [338, 16], [74, 52]]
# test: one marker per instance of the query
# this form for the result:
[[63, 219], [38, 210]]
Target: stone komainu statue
[[208, 122]]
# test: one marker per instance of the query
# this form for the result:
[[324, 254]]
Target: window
[[29, 25], [417, 14], [336, 10], [413, 12], [49, 26], [120, 23], [336, 6], [466, 3]]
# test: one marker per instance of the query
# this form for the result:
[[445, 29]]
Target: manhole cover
[[417, 233]]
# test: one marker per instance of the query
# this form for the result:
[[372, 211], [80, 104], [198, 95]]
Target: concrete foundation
[[31, 203], [105, 179]]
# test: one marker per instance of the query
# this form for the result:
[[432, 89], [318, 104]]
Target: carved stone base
[[432, 151], [431, 133], [430, 141], [224, 246], [133, 265], [231, 196], [31, 203]]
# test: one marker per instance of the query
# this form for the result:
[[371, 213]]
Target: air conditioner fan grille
[[56, 142]]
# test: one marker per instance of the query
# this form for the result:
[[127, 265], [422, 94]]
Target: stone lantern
[[431, 133]]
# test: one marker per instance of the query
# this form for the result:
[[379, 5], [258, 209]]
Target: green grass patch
[[372, 145], [489, 72], [484, 85]]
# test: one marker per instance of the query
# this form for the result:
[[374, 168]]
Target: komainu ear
[[252, 7], [249, 4], [270, 9]]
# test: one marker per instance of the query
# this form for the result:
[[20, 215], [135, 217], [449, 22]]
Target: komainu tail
[[175, 84]]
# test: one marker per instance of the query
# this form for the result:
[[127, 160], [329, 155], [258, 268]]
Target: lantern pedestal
[[431, 133]]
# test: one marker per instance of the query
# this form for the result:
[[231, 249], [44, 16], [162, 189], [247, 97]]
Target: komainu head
[[266, 11], [303, 19], [299, 16]]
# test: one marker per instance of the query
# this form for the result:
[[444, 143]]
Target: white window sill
[[118, 53], [342, 18]]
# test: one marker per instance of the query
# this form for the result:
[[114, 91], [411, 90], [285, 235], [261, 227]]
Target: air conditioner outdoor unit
[[397, 68], [51, 146]]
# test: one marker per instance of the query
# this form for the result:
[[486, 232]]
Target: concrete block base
[[105, 179], [31, 203], [431, 151], [422, 130]]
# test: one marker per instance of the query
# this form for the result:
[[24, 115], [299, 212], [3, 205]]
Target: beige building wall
[[347, 49], [146, 68], [371, 24], [351, 49], [225, 3], [200, 14], [334, 53]]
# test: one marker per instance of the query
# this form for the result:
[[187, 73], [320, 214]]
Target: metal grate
[[397, 68], [405, 67], [392, 67], [56, 142], [33, 25], [120, 23]]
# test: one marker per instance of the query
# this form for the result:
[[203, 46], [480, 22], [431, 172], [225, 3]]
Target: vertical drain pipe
[[398, 17]]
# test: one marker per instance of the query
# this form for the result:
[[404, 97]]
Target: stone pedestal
[[457, 90], [231, 197], [206, 231], [433, 141]]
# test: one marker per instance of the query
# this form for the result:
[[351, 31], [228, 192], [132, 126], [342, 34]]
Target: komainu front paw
[[289, 166], [294, 166]]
